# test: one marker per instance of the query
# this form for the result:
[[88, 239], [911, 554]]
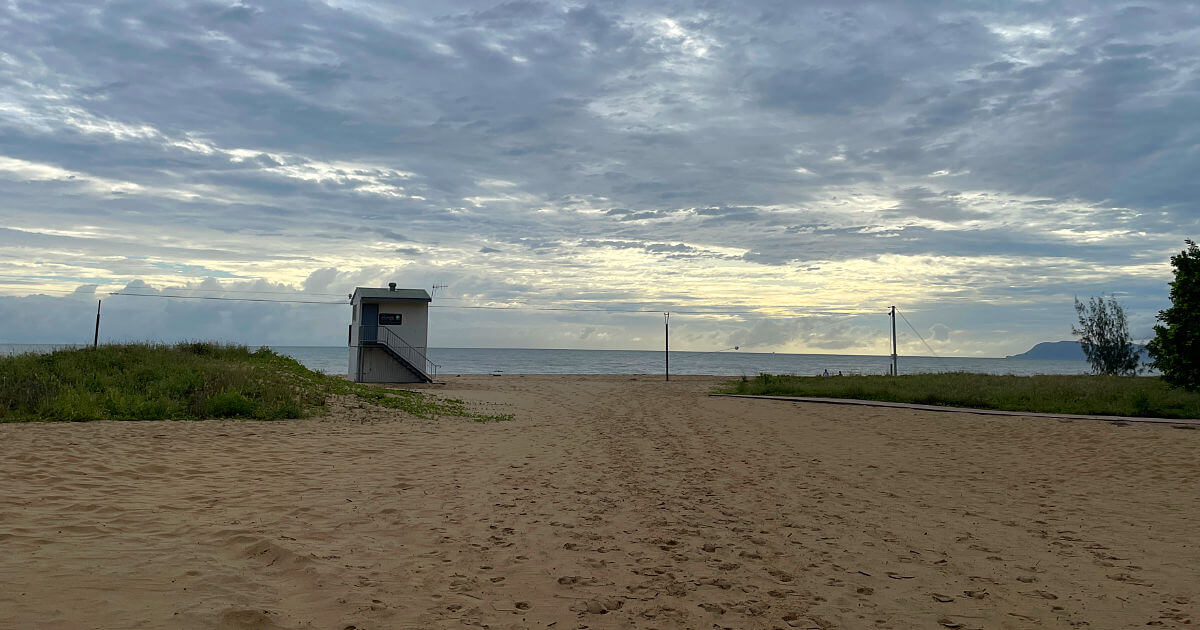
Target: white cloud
[[984, 160]]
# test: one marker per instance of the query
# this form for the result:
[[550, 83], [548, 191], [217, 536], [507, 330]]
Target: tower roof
[[385, 294]]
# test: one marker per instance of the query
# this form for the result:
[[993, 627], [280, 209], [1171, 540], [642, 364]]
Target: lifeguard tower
[[389, 336]]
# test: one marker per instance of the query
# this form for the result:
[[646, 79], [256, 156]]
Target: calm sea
[[334, 360]]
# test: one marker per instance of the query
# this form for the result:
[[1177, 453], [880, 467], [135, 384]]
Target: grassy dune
[[187, 381], [1079, 394]]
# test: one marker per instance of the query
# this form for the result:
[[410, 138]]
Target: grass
[[187, 381], [1074, 394]]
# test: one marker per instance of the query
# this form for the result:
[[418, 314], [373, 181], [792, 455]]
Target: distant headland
[[1059, 351]]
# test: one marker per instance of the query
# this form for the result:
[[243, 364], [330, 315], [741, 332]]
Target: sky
[[775, 173]]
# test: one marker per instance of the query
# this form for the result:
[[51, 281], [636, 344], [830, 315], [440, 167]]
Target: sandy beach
[[608, 502]]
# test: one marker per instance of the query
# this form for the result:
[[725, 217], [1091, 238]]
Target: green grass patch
[[187, 381], [1075, 394]]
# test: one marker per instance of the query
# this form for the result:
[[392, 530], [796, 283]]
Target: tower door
[[370, 321]]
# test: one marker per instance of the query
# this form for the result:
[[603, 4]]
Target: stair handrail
[[405, 349], [431, 368]]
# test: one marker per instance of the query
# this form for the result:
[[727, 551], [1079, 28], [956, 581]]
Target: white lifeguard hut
[[389, 335]]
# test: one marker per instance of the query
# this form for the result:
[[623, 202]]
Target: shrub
[[1175, 349], [187, 381], [1104, 336]]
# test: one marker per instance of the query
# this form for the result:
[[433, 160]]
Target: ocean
[[334, 360]]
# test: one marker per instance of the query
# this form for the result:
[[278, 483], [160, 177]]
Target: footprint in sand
[[247, 620], [720, 583], [782, 576], [1128, 579], [599, 606]]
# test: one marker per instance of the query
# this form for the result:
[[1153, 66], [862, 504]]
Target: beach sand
[[609, 502]]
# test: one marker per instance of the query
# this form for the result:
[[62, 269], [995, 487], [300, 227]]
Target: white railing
[[384, 336]]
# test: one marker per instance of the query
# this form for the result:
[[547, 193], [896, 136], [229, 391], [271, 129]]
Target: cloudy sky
[[800, 165]]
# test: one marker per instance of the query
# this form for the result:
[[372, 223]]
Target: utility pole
[[895, 371], [667, 345], [96, 337]]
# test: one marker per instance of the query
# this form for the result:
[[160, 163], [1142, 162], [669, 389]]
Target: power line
[[758, 311], [258, 291], [544, 308], [915, 332], [744, 310], [696, 354], [255, 291], [227, 299], [754, 311], [37, 292]]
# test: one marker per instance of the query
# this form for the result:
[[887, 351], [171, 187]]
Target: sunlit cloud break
[[805, 165]]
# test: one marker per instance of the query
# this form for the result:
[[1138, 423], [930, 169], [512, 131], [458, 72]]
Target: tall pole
[[667, 345], [895, 372], [96, 337]]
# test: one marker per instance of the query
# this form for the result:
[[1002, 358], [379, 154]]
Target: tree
[[1175, 349], [1104, 336]]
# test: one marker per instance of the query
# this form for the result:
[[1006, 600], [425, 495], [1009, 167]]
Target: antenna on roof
[[435, 287]]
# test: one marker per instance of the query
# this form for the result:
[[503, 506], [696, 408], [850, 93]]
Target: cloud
[[814, 334], [813, 154], [923, 203], [815, 90], [320, 279]]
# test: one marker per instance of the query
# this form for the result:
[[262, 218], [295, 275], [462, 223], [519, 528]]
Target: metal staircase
[[403, 352]]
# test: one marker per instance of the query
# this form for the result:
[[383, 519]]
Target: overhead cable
[[213, 297], [915, 332]]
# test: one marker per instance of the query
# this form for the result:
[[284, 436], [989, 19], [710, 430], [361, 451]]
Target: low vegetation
[[187, 381], [1075, 394]]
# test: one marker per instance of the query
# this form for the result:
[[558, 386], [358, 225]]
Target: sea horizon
[[475, 360], [5, 346]]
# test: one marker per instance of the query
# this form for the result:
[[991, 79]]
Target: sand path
[[610, 502]]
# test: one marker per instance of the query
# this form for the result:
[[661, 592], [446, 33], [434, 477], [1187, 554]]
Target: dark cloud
[[923, 203], [317, 145], [827, 91], [669, 248], [643, 215]]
